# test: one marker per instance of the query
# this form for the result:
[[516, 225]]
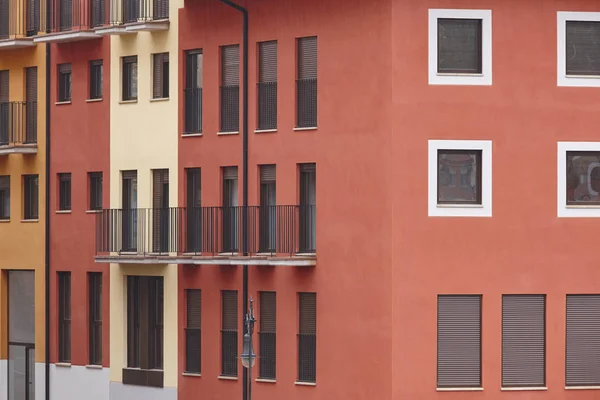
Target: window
[[308, 208], [306, 83], [64, 317], [460, 47], [230, 210], [267, 346], [523, 340], [307, 337], [64, 82], [194, 210], [97, 13], [129, 90], [145, 308], [267, 85], [161, 231], [160, 76], [193, 331], [64, 192], [193, 91], [578, 49], [230, 88], [578, 179], [583, 341], [95, 185], [129, 223], [268, 209], [95, 79], [229, 332], [460, 178], [31, 106], [30, 197], [5, 136], [95, 315], [459, 341], [32, 17], [4, 197]]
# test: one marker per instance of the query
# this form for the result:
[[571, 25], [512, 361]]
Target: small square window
[[129, 76], [578, 49], [578, 179], [96, 79], [64, 192], [64, 82], [459, 177]]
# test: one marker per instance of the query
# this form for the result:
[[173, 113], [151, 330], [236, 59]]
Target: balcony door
[[97, 13], [268, 210], [33, 17], [4, 106], [194, 211], [230, 210], [160, 9], [307, 211], [66, 15], [31, 92], [129, 211], [160, 211], [131, 10], [4, 19]]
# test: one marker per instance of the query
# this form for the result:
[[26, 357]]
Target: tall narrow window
[[129, 76], [33, 17], [193, 331], [582, 341], [194, 210], [64, 82], [95, 316], [230, 210], [268, 323], [160, 210], [160, 76], [268, 210], [30, 197], [129, 211], [267, 85], [95, 185], [96, 78], [193, 91], [230, 88], [307, 337], [66, 15], [31, 93], [4, 197], [4, 104], [306, 83], [64, 317], [229, 332], [64, 192], [308, 211]]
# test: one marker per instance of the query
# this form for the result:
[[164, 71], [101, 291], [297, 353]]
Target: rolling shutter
[[4, 19], [268, 345], [583, 340], [267, 69], [583, 48], [307, 338], [523, 340], [4, 86], [230, 65], [31, 92], [230, 173], [158, 79], [307, 58], [267, 173], [230, 310], [193, 335], [229, 351], [459, 341]]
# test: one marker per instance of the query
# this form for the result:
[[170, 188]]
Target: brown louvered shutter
[[5, 197], [306, 84], [230, 88], [66, 15], [459, 45], [267, 69], [268, 323], [523, 340], [583, 340], [230, 173], [33, 18], [160, 9], [307, 337], [4, 86], [5, 19], [307, 58], [230, 65], [583, 48], [159, 75], [31, 92], [229, 332], [459, 341], [193, 331], [267, 173]]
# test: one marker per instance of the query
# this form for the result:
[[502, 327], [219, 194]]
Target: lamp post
[[248, 356]]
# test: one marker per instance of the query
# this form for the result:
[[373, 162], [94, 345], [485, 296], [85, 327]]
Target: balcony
[[71, 21], [277, 235], [19, 23], [132, 16], [18, 128]]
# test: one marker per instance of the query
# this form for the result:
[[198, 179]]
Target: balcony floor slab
[[148, 26], [69, 36], [9, 44], [112, 30], [293, 261], [18, 149]]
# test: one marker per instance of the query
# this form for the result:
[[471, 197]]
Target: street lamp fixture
[[248, 356]]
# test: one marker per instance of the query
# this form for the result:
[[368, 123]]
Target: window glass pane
[[17, 365], [459, 176], [583, 48], [583, 177], [21, 295], [459, 45]]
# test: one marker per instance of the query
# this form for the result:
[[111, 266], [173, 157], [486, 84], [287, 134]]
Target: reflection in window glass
[[459, 177], [583, 178]]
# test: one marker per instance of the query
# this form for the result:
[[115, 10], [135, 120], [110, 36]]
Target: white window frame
[[572, 211], [485, 78], [460, 210], [561, 60]]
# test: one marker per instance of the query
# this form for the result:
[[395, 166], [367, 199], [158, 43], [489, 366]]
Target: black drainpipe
[[47, 233], [246, 390]]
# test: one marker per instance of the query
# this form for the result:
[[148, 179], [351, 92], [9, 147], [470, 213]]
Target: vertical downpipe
[[47, 211]]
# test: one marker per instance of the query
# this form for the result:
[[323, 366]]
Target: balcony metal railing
[[19, 18], [132, 11], [69, 15], [207, 231], [18, 123]]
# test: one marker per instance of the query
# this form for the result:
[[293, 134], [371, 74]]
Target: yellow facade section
[[22, 242]]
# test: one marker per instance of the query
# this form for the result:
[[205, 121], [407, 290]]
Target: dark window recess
[[5, 107], [459, 177], [161, 216], [308, 208], [459, 46], [230, 210], [64, 82], [583, 48], [160, 76], [307, 338], [129, 211], [230, 88], [267, 347], [229, 333], [66, 14], [30, 197], [32, 19], [306, 83], [95, 315], [129, 89], [194, 210], [268, 209], [523, 340], [459, 341], [64, 317], [193, 91], [267, 85], [31, 93], [583, 340], [193, 333], [96, 79], [4, 197], [583, 178], [97, 13], [64, 191], [95, 182], [145, 308]]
